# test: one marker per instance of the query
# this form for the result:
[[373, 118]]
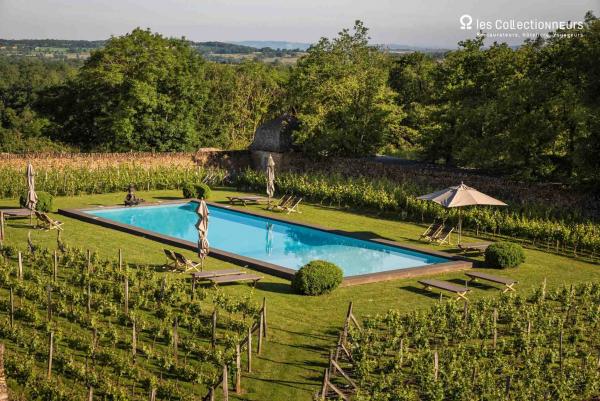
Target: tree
[[140, 92], [241, 98], [339, 93]]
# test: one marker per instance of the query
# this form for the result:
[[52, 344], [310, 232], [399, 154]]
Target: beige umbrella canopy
[[459, 196], [202, 226], [270, 177], [31, 195]]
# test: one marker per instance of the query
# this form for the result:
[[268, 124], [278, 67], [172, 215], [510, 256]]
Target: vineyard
[[77, 327], [545, 346], [561, 236]]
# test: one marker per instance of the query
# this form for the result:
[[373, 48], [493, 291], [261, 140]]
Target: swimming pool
[[269, 240]]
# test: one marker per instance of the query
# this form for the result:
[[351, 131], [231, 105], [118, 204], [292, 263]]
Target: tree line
[[531, 112]]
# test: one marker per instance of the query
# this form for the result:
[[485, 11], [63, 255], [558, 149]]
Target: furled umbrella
[[270, 177], [202, 226], [32, 198], [459, 196]]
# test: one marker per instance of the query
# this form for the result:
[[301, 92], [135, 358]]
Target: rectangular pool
[[269, 240]]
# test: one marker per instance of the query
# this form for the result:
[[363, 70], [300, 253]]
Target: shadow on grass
[[421, 291], [304, 386], [332, 336], [281, 288], [319, 349], [306, 365]]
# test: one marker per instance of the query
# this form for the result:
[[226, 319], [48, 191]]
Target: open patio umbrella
[[270, 177], [202, 226], [459, 196], [32, 198]]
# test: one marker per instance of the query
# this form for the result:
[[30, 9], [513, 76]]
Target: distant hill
[[274, 44]]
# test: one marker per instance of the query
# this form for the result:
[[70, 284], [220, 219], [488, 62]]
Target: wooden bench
[[459, 290], [235, 278], [474, 247], [216, 273], [244, 200], [507, 282]]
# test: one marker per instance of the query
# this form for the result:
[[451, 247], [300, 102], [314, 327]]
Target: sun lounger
[[235, 278], [21, 212], [172, 260], [507, 282], [244, 200], [216, 273], [433, 229], [47, 222], [186, 263], [443, 235], [285, 199], [459, 290], [291, 206], [474, 247]]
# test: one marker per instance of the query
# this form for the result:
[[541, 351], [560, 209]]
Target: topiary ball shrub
[[317, 277], [200, 191], [44, 203], [504, 254]]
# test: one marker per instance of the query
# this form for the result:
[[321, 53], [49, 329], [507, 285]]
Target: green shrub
[[44, 203], [504, 254], [188, 190], [317, 277], [200, 191]]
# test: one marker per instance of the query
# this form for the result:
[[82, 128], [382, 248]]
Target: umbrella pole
[[459, 225]]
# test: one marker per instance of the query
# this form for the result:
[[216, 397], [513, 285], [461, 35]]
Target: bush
[[317, 277], [504, 254], [44, 203], [200, 191]]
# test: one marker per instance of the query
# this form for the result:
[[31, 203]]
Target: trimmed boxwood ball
[[200, 191], [44, 203], [504, 254], [317, 277]]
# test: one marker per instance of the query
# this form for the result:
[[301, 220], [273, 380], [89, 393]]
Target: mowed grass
[[301, 329]]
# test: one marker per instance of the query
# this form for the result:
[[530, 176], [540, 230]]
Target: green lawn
[[301, 329]]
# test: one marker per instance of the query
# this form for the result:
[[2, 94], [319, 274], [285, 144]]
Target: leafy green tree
[[241, 98], [142, 91], [340, 94]]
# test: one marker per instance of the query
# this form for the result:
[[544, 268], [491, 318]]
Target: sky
[[428, 23]]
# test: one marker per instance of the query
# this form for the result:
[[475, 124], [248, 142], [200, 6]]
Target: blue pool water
[[271, 241]]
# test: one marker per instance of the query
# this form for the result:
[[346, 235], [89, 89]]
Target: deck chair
[[172, 261], [292, 205], [47, 222], [285, 199], [433, 229], [186, 263], [443, 235]]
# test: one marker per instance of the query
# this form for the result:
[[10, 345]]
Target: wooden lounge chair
[[216, 273], [245, 200], [433, 229], [47, 222], [235, 278], [186, 263], [172, 262], [443, 235], [507, 282], [292, 205], [285, 199], [459, 290], [479, 247]]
